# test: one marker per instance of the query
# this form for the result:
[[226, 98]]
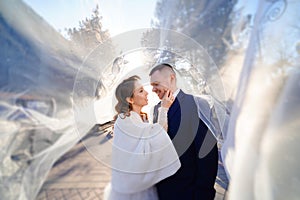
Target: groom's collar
[[176, 93]]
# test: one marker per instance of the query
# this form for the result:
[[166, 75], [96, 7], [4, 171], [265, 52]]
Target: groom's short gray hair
[[162, 66]]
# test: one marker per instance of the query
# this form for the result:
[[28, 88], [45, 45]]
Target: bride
[[142, 153]]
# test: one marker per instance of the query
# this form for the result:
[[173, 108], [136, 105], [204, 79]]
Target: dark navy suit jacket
[[196, 177]]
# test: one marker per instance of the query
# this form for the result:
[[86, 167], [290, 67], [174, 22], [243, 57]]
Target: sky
[[118, 15]]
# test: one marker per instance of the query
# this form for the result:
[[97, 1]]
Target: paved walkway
[[78, 175]]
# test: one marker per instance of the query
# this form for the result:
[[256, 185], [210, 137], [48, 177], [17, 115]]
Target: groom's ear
[[173, 77]]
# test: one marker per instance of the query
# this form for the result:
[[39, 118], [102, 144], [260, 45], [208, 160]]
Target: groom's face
[[160, 83]]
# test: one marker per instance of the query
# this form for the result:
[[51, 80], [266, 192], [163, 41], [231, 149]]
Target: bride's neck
[[136, 109]]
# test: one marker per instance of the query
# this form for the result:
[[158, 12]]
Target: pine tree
[[90, 32]]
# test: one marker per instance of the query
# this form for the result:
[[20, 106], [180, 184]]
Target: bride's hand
[[167, 100]]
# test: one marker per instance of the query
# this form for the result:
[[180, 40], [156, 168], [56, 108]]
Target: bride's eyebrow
[[139, 88]]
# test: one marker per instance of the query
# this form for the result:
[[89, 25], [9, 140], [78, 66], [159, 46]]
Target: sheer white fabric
[[163, 117], [261, 152], [214, 114]]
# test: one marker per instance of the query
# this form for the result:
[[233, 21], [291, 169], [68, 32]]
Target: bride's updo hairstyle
[[125, 89]]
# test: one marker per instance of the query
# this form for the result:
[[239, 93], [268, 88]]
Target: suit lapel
[[155, 113]]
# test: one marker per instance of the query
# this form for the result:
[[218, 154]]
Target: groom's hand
[[167, 99]]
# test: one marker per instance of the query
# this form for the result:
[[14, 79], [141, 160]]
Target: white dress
[[142, 155], [147, 194]]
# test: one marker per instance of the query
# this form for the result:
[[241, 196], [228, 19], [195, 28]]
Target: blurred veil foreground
[[37, 71], [253, 72]]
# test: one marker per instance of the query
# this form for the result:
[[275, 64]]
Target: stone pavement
[[78, 175]]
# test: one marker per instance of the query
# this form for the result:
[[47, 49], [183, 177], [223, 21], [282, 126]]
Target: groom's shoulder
[[158, 104], [155, 107], [184, 95], [201, 97]]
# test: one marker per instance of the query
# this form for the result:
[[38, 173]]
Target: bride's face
[[139, 95]]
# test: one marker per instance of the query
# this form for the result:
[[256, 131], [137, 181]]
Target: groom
[[196, 177]]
